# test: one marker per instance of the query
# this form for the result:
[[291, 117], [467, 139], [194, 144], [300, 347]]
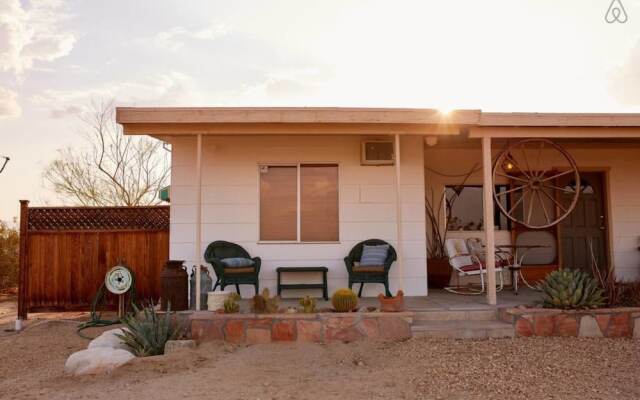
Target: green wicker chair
[[220, 249], [369, 274]]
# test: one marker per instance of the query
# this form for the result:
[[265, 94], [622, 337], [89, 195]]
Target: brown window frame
[[298, 166]]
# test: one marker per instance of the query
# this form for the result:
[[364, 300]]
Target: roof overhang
[[292, 121], [171, 121]]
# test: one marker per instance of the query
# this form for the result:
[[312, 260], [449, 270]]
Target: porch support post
[[487, 185], [198, 255], [399, 212]]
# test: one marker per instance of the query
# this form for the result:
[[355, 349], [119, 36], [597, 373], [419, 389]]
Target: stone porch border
[[603, 322], [298, 327]]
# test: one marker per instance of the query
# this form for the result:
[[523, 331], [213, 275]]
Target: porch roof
[[369, 121]]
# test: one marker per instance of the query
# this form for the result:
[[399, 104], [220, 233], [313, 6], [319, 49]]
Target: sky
[[56, 57]]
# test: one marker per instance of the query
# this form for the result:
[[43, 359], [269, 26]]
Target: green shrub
[[149, 331], [571, 289], [9, 249]]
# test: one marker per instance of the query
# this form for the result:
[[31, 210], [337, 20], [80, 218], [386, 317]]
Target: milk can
[[174, 286], [205, 286]]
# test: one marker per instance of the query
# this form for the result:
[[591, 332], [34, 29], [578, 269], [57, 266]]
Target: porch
[[232, 150]]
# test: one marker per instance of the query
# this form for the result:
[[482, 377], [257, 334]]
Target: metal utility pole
[[4, 161]]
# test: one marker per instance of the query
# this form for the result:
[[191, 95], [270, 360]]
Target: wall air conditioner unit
[[377, 152]]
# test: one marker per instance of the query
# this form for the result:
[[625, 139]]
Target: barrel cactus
[[571, 289], [344, 300]]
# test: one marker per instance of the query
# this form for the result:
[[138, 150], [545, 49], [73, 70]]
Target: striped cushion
[[237, 262], [374, 255]]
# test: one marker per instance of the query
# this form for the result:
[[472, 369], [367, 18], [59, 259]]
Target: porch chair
[[233, 265], [369, 273], [476, 248], [468, 263]]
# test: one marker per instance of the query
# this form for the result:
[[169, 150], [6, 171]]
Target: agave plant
[[571, 289], [148, 331]]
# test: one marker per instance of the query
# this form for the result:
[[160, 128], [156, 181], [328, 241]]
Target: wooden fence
[[66, 251]]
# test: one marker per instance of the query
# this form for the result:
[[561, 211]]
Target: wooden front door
[[585, 225]]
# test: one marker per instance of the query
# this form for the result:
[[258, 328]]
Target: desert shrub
[[9, 249], [629, 294], [149, 331]]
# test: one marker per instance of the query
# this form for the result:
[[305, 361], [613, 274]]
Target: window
[[299, 203], [464, 208]]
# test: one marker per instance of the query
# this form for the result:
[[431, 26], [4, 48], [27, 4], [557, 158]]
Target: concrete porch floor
[[441, 300]]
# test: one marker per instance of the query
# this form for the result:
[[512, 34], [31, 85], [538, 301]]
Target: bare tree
[[112, 169]]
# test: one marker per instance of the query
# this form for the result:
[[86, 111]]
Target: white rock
[[173, 346], [97, 360], [109, 339], [589, 327]]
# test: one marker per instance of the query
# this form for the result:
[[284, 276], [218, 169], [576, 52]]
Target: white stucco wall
[[621, 165], [230, 203]]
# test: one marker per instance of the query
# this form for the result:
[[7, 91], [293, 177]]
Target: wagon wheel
[[532, 167]]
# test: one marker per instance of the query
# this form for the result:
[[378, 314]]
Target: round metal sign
[[118, 280]]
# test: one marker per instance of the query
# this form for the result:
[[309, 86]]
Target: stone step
[[456, 315], [463, 329]]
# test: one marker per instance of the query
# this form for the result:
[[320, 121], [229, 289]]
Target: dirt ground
[[31, 367]]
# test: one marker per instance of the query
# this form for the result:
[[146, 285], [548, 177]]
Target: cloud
[[284, 87], [625, 81], [173, 88], [31, 34], [175, 38], [9, 107]]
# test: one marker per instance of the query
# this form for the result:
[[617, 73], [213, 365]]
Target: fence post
[[23, 306]]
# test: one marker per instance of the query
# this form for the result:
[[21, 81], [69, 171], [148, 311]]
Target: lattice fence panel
[[98, 219]]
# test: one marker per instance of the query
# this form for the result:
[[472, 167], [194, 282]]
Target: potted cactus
[[393, 303], [308, 304], [265, 304], [231, 303]]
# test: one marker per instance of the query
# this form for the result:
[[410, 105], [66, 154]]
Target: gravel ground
[[31, 366]]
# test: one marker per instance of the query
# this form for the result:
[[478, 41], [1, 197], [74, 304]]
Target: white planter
[[215, 300]]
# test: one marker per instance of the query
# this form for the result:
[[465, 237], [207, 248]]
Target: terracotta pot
[[392, 304], [438, 272]]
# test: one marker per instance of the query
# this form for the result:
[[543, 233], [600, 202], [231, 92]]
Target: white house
[[226, 162]]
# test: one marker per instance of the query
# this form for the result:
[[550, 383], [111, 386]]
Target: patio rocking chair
[[470, 263], [369, 273], [221, 254]]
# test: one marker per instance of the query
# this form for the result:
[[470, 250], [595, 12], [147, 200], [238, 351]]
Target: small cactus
[[231, 305], [308, 304], [263, 304], [344, 300]]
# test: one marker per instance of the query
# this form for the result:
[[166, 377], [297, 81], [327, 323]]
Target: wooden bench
[[322, 285]]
